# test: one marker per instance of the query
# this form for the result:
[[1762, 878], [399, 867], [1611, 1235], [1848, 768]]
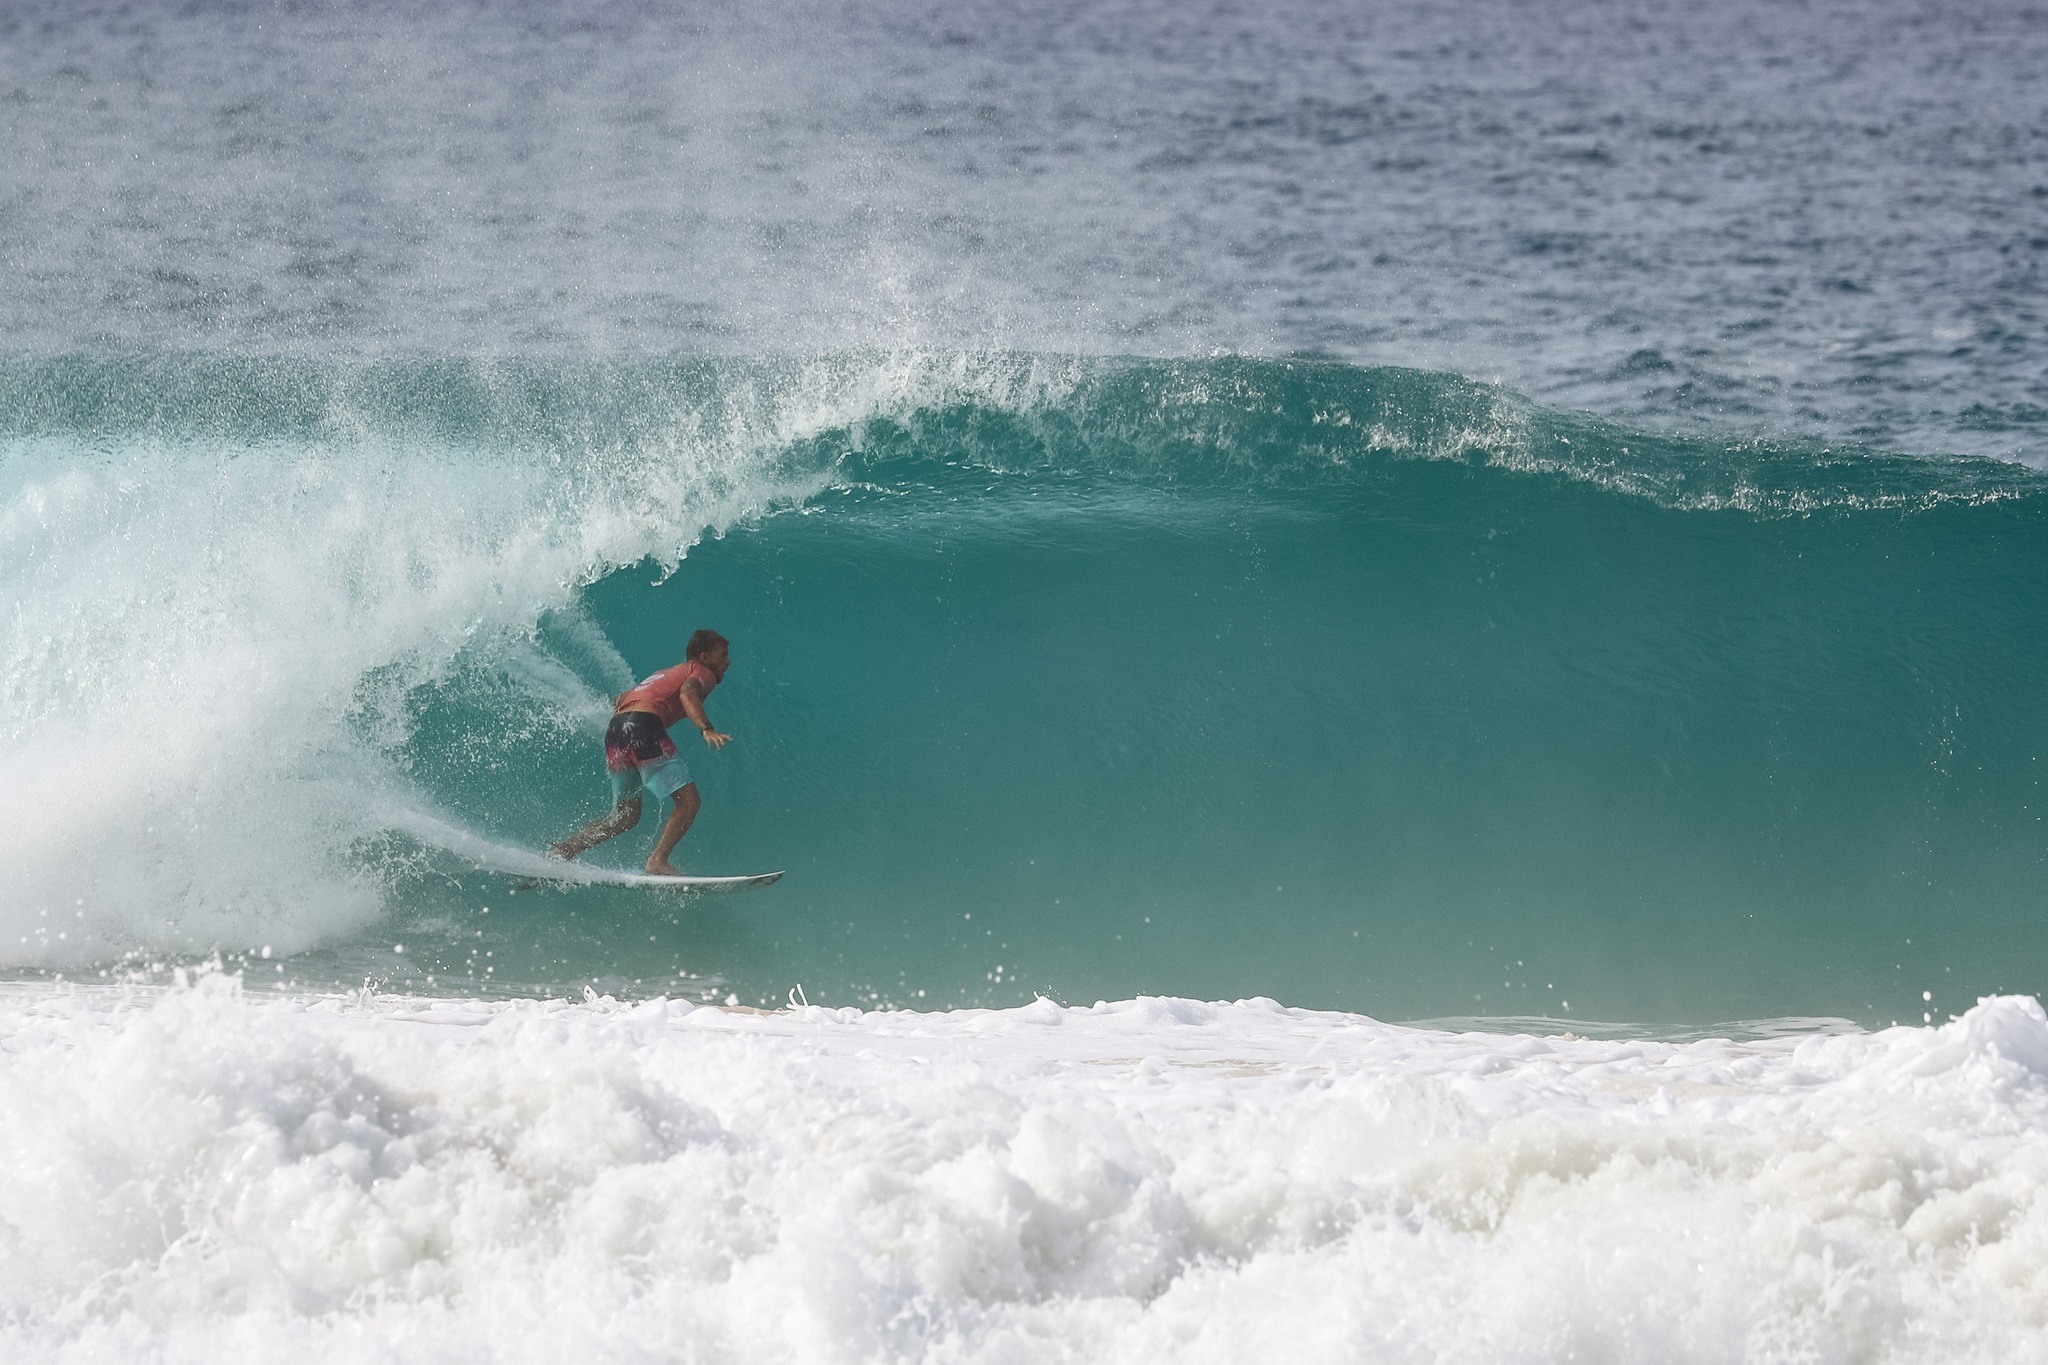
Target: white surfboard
[[537, 869], [571, 874]]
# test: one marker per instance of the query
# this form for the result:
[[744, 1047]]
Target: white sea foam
[[209, 1176]]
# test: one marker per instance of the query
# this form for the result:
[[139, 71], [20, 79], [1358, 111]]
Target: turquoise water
[[1523, 517], [1369, 689], [1220, 715], [1476, 511]]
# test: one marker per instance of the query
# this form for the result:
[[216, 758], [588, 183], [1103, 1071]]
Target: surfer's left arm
[[693, 707]]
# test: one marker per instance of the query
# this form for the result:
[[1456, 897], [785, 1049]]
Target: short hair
[[703, 642]]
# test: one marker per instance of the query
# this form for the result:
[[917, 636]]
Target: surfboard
[[570, 874], [534, 869]]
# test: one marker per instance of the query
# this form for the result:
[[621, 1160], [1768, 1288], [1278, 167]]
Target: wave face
[[1374, 689], [1360, 688]]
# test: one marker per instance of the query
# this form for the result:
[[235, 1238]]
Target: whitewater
[[1394, 655], [209, 1174]]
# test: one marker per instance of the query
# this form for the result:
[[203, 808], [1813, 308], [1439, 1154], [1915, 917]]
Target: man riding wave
[[642, 758]]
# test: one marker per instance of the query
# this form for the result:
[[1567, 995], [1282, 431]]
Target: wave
[[1358, 687]]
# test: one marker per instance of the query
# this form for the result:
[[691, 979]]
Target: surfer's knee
[[686, 798], [628, 813]]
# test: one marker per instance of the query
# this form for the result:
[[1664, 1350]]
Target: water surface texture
[[1529, 520], [1819, 219]]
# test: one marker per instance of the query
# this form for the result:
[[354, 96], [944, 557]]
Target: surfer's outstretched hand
[[717, 740]]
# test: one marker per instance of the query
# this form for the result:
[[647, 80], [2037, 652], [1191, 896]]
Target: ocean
[[1394, 654]]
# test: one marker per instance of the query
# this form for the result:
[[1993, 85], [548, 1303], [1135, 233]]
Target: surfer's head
[[711, 649]]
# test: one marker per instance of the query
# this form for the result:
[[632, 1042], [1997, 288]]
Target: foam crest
[[204, 1174], [225, 578]]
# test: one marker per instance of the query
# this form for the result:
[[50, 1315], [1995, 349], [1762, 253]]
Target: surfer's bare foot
[[662, 867], [564, 851]]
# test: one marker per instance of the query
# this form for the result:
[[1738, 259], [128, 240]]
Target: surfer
[[642, 758]]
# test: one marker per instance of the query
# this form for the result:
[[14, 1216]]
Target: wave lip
[[1146, 1179]]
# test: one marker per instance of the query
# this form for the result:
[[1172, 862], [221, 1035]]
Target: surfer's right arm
[[693, 707]]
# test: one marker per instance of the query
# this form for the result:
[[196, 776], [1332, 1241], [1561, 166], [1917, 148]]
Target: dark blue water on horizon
[[1806, 219]]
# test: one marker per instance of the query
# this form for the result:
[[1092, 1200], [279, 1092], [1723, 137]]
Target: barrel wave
[[1373, 689]]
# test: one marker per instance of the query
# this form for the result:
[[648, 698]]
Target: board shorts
[[641, 757]]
